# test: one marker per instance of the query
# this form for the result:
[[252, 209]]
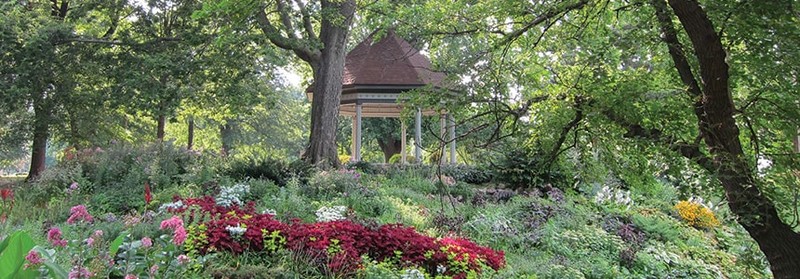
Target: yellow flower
[[696, 214]]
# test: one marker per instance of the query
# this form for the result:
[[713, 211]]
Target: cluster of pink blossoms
[[54, 237], [79, 213], [34, 259], [175, 223]]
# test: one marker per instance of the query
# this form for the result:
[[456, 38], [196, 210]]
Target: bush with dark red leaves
[[338, 245]]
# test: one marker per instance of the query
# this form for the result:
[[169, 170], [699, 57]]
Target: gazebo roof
[[375, 73], [391, 61]]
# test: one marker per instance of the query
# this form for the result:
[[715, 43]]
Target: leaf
[[12, 256], [113, 248], [56, 271]]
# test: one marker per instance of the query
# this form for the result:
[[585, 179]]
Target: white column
[[442, 136], [358, 132], [452, 128], [353, 138], [418, 136], [403, 156]]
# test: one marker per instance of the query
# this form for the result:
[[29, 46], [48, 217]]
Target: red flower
[[147, 195], [7, 194]]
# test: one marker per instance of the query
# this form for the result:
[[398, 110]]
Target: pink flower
[[131, 276], [78, 213], [72, 187], [153, 270], [183, 259], [79, 272], [34, 259], [172, 223], [98, 233], [90, 241], [54, 237], [179, 236], [147, 242], [175, 223]]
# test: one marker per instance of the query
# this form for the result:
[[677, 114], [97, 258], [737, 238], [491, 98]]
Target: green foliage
[[269, 168], [13, 250], [521, 169]]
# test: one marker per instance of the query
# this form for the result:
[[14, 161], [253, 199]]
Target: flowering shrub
[[337, 244], [696, 214]]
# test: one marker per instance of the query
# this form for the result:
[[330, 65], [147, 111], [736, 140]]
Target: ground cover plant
[[348, 224]]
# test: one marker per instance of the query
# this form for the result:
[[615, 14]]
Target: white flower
[[333, 213], [232, 195], [236, 231], [618, 196], [440, 269], [270, 211], [412, 273]]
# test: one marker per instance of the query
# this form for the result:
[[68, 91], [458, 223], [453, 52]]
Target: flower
[[7, 194], [131, 276], [183, 259], [179, 233], [172, 223], [33, 259], [333, 213], [179, 236], [72, 187], [147, 242], [232, 195], [78, 213], [236, 231], [153, 270], [79, 272], [147, 195], [90, 241], [54, 237], [412, 273]]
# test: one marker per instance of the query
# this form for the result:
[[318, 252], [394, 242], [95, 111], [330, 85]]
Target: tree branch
[[303, 52], [307, 21], [536, 21]]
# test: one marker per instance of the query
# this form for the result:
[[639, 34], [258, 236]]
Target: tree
[[39, 48], [714, 108], [283, 24], [610, 67]]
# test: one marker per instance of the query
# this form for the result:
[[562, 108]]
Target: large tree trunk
[[755, 212], [328, 71], [390, 146], [162, 124], [41, 131]]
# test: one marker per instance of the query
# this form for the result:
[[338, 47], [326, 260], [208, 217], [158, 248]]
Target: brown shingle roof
[[390, 61]]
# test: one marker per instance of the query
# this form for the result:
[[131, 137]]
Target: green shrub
[[468, 174], [269, 168], [396, 158], [522, 169]]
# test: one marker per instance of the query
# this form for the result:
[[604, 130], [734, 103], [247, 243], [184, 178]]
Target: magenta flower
[[153, 270], [79, 213], [54, 237], [34, 259], [147, 242], [131, 276], [90, 241]]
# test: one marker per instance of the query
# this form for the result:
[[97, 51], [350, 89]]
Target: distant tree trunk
[[390, 146], [190, 136], [162, 123], [754, 211], [41, 132], [328, 72], [227, 134]]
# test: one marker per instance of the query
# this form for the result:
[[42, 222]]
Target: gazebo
[[375, 74]]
